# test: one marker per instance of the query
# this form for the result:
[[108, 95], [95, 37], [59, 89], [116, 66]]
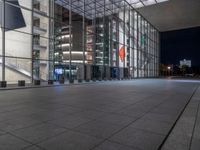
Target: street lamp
[[169, 69]]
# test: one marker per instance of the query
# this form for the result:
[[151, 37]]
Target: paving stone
[[33, 148], [19, 123], [2, 132], [90, 114], [137, 138], [117, 119], [38, 133], [166, 111], [185, 130], [99, 128], [195, 144], [69, 109], [9, 142], [160, 117], [70, 122], [113, 146], [86, 114], [174, 145], [47, 115], [71, 141], [158, 127]]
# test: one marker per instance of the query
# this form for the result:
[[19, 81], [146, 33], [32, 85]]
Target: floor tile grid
[[180, 137], [66, 129], [61, 126], [10, 114], [35, 144], [106, 111], [22, 139], [124, 108], [108, 139], [33, 147], [195, 124], [170, 131], [30, 126], [23, 127], [27, 141], [115, 112]]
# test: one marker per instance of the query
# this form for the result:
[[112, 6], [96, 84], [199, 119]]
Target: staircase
[[16, 69], [14, 66]]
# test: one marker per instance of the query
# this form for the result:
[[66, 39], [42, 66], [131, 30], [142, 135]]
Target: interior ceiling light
[[77, 6]]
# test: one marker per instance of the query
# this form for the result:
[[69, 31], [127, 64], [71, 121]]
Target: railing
[[19, 63], [23, 66]]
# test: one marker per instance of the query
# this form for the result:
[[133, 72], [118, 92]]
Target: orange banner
[[89, 55], [122, 54]]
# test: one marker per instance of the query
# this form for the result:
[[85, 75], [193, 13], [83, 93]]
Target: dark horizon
[[180, 44]]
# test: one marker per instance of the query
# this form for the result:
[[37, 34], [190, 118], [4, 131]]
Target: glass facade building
[[75, 39]]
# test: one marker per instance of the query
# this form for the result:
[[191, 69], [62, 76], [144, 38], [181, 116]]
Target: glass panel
[[24, 3], [105, 39], [17, 69], [1, 38], [18, 44], [1, 54], [138, 5], [159, 1], [62, 40], [149, 2], [17, 18]]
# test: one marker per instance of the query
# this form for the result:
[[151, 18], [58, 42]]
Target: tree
[[184, 69]]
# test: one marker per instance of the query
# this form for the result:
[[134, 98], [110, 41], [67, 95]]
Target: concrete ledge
[[21, 83], [37, 82], [50, 82]]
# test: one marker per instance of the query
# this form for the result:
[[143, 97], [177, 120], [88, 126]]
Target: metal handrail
[[23, 66]]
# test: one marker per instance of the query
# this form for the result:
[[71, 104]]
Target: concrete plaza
[[141, 114]]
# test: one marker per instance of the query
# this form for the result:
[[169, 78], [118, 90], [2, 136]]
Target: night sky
[[181, 44]]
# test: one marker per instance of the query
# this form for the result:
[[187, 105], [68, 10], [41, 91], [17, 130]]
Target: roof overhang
[[173, 14]]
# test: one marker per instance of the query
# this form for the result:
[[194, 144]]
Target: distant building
[[185, 62]]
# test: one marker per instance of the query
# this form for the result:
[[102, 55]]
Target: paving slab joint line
[[107, 139], [179, 116], [58, 85], [44, 86], [32, 143], [40, 148], [194, 126]]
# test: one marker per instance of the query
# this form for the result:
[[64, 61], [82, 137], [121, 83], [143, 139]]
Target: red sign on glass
[[122, 54]]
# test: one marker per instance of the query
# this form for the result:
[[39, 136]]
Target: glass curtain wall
[[26, 40], [75, 39], [110, 40]]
